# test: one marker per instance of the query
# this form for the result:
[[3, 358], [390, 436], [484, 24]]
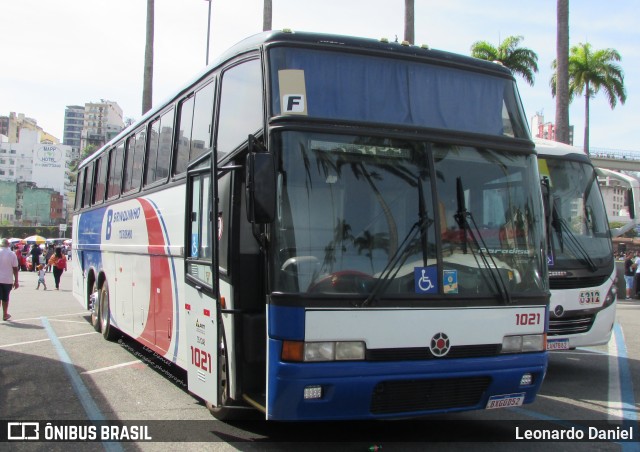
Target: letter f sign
[[293, 103]]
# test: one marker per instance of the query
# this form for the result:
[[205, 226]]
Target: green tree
[[562, 56], [589, 72], [72, 169], [520, 60]]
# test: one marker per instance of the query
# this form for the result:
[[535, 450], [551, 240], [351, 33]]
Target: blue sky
[[68, 52]]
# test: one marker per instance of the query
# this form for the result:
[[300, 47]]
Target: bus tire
[[95, 307], [108, 332]]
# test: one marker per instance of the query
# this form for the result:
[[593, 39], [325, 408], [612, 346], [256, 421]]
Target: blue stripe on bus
[[286, 322]]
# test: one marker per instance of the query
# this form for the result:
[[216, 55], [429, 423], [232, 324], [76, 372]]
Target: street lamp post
[[208, 30]]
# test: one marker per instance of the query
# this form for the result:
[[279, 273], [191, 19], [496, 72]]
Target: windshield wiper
[[400, 256], [562, 228], [462, 218]]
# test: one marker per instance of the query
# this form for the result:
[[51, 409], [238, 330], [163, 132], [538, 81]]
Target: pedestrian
[[50, 252], [8, 275], [35, 256], [21, 259], [629, 273], [59, 263], [41, 275], [636, 260]]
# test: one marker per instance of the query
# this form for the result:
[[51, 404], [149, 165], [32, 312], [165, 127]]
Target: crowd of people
[[35, 258]]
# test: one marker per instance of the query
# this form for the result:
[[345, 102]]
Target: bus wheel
[[223, 412], [108, 332], [94, 304]]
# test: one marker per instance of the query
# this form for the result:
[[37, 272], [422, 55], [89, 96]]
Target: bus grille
[[570, 325], [424, 395], [420, 353], [576, 283]]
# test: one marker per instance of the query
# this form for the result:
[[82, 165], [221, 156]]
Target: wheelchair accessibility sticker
[[426, 279], [450, 278]]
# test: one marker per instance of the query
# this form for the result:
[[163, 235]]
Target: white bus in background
[[631, 185], [582, 272]]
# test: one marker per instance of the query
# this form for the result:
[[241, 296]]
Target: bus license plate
[[505, 401], [558, 344]]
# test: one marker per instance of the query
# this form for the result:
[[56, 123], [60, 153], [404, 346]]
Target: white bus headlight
[[525, 343], [319, 351], [349, 351]]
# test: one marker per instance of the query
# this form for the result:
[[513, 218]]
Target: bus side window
[[181, 157], [202, 116], [88, 183], [128, 165], [165, 146], [115, 171], [241, 110], [100, 180], [80, 189]]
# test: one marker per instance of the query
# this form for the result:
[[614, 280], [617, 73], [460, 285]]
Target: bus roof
[[320, 40], [556, 149]]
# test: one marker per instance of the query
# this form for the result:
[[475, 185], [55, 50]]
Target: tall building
[[102, 121], [33, 180], [73, 123], [12, 125], [546, 130]]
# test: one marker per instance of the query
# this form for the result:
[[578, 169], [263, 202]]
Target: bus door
[[201, 304]]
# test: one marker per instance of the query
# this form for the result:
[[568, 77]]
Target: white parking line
[[15, 344], [104, 369], [614, 398], [49, 317]]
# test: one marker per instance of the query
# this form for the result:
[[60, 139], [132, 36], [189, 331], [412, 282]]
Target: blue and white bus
[[324, 227], [582, 271]]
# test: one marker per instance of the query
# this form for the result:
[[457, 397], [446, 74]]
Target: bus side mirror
[[631, 204], [260, 187]]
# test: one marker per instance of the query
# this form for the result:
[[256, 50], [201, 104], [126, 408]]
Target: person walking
[[629, 273], [50, 252], [636, 281], [41, 274], [59, 263], [35, 256], [8, 275]]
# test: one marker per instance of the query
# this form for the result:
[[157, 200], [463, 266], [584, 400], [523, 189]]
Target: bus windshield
[[579, 234], [355, 210], [364, 88]]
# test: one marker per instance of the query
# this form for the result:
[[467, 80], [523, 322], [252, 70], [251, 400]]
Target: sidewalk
[[26, 302]]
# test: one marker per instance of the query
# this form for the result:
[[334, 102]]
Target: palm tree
[[562, 55], [519, 60], [409, 27], [590, 71], [266, 15], [147, 87]]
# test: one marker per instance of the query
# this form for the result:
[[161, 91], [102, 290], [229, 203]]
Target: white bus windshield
[[350, 205], [579, 235], [351, 87]]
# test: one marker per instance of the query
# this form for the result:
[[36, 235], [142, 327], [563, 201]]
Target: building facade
[[546, 130], [102, 121], [72, 133], [33, 180]]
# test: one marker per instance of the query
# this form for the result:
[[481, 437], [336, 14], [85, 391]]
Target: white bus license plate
[[558, 344], [505, 401]]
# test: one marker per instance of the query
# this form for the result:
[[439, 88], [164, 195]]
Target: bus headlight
[[323, 351], [523, 344], [611, 295]]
